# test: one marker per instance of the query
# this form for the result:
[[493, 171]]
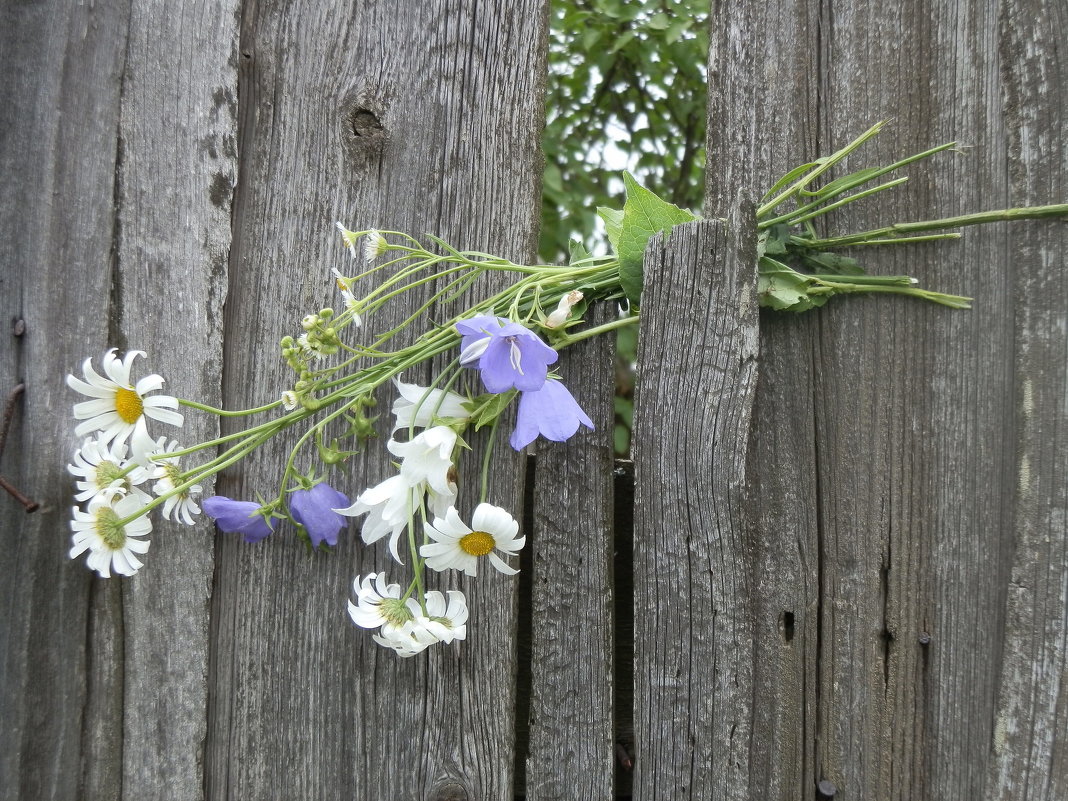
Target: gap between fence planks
[[693, 627]]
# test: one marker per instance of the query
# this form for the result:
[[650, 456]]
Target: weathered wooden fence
[[848, 572]]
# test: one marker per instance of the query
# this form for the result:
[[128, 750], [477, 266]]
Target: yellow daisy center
[[110, 529], [129, 405], [477, 543]]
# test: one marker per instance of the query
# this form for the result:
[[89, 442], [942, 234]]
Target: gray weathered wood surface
[[692, 619], [909, 581], [571, 702]]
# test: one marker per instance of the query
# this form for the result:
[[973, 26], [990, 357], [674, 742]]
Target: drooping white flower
[[101, 466], [169, 477], [427, 458], [446, 621], [458, 546], [289, 400], [117, 407], [379, 604], [406, 642], [349, 237], [345, 286], [386, 506], [416, 406], [374, 244], [111, 544]]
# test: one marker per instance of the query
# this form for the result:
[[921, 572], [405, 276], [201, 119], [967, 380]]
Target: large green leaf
[[644, 216]]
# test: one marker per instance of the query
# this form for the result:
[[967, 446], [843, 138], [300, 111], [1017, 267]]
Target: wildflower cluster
[[498, 353]]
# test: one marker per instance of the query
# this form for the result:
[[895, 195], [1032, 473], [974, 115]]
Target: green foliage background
[[626, 91]]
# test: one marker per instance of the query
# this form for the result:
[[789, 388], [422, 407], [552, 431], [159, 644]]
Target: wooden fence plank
[[1029, 759], [177, 168], [881, 458], [59, 698], [423, 118], [571, 722], [763, 90], [693, 622]]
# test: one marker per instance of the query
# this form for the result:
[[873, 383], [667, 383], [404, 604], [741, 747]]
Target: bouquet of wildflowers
[[503, 349]]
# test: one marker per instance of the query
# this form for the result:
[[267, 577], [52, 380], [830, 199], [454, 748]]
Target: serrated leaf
[[644, 215], [613, 225], [576, 251], [779, 287], [826, 262]]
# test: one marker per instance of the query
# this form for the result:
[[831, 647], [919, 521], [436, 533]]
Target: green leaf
[[644, 215], [779, 287], [576, 251], [613, 225], [488, 407], [826, 262]]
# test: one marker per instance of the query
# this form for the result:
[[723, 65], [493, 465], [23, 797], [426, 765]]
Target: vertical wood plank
[[421, 117], [571, 723], [177, 168], [1032, 705], [763, 93], [59, 698], [692, 572]]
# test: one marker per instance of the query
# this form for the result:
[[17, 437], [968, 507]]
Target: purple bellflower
[[550, 411], [508, 354], [237, 517], [314, 509]]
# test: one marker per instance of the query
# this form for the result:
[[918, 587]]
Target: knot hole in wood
[[363, 134], [449, 791]]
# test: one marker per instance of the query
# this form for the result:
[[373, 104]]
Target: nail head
[[826, 788]]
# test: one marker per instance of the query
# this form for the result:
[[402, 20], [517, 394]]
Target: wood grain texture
[[1031, 722], [420, 117], [693, 626], [763, 92], [884, 473], [58, 119], [176, 173], [571, 719]]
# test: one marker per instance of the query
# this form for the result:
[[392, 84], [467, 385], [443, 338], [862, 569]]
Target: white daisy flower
[[374, 245], [111, 544], [100, 465], [289, 400], [118, 408], [413, 395], [379, 604], [445, 621], [406, 643], [349, 237], [427, 458], [170, 477], [459, 547], [312, 346]]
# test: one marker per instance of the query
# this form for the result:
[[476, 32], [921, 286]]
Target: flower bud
[[309, 322], [563, 309]]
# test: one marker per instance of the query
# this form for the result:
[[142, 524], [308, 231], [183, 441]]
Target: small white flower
[[101, 466], [289, 400], [349, 237], [427, 458], [345, 286], [459, 547], [170, 477], [111, 544], [563, 309], [386, 506], [429, 405], [379, 604], [311, 346], [406, 643], [374, 244], [118, 408], [445, 621]]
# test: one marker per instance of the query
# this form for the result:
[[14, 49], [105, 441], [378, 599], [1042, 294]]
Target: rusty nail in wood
[[19, 328], [826, 788], [924, 638], [30, 505]]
